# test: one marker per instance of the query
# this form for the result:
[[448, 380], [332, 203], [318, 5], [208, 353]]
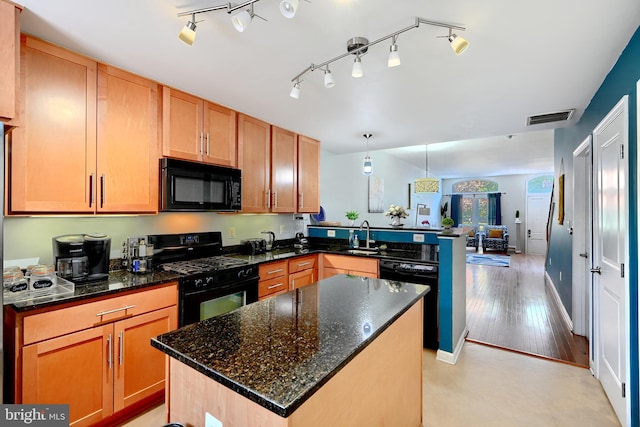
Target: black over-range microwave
[[199, 187]]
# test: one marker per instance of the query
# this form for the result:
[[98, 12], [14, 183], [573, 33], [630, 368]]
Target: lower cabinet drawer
[[270, 286]]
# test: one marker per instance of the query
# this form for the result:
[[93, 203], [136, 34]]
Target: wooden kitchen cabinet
[[308, 175], [303, 271], [88, 140], [333, 264], [53, 152], [9, 59], [254, 159], [284, 153], [196, 129], [273, 279], [98, 370], [127, 171]]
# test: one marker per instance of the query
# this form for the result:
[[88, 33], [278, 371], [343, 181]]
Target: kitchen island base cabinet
[[382, 385]]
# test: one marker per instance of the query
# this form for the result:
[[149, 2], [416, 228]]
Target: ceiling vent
[[559, 116]]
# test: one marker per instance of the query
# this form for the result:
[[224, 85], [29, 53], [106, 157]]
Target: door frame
[[581, 278]]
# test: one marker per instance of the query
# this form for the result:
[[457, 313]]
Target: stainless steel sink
[[363, 251]]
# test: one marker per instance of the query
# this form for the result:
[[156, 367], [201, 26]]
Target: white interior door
[[610, 254], [537, 214]]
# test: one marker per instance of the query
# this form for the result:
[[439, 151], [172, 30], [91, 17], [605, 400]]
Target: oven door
[[198, 305]]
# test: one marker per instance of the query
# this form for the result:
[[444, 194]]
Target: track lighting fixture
[[328, 78], [188, 33], [394, 56], [357, 71], [458, 44], [358, 46], [367, 164], [295, 91], [240, 20], [288, 8]]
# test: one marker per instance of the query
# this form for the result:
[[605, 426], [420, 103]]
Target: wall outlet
[[283, 228], [331, 233], [211, 421], [231, 232], [418, 238]]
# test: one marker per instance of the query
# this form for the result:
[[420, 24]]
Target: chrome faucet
[[368, 239]]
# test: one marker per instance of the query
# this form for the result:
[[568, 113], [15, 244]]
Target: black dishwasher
[[423, 273]]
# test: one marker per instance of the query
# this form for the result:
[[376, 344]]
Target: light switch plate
[[331, 233], [418, 238], [211, 421]]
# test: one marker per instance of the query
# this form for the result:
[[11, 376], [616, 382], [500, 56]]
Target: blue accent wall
[[620, 81]]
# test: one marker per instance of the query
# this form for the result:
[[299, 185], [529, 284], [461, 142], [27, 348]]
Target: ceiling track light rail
[[359, 45], [240, 20]]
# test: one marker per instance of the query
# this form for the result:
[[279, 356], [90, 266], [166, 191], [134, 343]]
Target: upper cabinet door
[[220, 139], [254, 154], [9, 59], [128, 151], [53, 153], [283, 170], [308, 175], [182, 135]]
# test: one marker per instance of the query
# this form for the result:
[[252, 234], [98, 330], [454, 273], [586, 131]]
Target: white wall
[[343, 187]]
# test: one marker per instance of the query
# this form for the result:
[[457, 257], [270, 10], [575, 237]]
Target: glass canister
[[42, 276], [13, 280]]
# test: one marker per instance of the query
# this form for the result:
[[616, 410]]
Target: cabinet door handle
[[208, 145], [275, 271], [91, 192], [268, 193], [115, 310], [301, 204], [110, 351], [102, 191], [121, 353], [201, 143], [275, 286], [275, 199]]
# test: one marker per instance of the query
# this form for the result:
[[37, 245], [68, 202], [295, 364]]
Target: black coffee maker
[[82, 257]]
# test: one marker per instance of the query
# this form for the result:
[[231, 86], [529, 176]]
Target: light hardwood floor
[[489, 387], [512, 307]]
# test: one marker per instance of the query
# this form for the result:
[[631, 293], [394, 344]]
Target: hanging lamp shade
[[427, 185]]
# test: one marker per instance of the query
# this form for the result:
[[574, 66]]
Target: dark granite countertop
[[119, 281], [280, 351]]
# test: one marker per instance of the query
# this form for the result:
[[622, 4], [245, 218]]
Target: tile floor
[[489, 387]]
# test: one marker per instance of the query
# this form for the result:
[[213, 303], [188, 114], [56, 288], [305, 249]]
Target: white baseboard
[[556, 297], [452, 358]]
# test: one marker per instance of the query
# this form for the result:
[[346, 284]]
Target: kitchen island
[[344, 351]]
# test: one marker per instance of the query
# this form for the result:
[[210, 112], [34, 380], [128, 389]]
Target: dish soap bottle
[[356, 242], [350, 238]]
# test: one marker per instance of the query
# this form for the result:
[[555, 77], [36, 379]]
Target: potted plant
[[447, 223], [352, 216]]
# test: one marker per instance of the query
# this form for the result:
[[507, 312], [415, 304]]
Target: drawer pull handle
[[275, 286], [115, 310], [275, 271], [302, 264]]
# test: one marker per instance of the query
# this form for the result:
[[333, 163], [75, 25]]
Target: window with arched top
[[540, 185], [474, 204]]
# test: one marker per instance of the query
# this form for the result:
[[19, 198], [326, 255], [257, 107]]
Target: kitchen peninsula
[[344, 351]]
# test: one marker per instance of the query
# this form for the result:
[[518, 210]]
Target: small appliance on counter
[[271, 241], [301, 244], [137, 255], [82, 257], [254, 246]]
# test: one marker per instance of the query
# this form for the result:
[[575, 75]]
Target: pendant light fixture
[[426, 184], [367, 165]]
